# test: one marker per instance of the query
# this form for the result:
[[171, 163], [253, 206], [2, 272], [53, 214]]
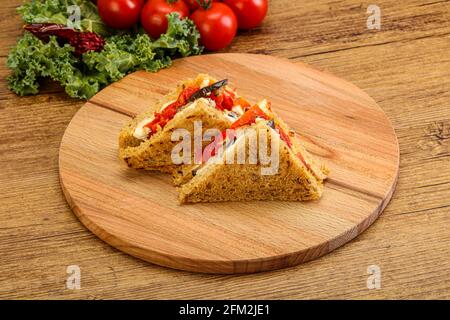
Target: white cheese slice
[[237, 109], [141, 132], [263, 105], [193, 104]]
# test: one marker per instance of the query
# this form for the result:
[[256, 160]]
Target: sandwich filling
[[217, 95]]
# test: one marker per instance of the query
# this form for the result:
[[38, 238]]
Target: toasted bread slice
[[185, 173], [154, 153], [217, 180]]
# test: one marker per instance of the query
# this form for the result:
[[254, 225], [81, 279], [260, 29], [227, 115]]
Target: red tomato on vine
[[120, 14], [249, 13], [153, 16], [216, 23]]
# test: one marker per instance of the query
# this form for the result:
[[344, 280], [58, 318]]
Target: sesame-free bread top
[[214, 182], [155, 153]]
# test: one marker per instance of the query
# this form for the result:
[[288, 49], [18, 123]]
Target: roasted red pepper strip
[[161, 118], [223, 101], [186, 94], [284, 136], [288, 141], [249, 117], [300, 156], [243, 103], [211, 149], [227, 102], [218, 101]]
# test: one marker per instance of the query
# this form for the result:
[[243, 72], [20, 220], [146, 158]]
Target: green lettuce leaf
[[32, 59]]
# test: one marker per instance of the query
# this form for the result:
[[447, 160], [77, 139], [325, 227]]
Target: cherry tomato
[[153, 16], [120, 14], [194, 5], [217, 25], [249, 13]]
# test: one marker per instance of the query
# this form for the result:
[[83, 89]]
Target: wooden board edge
[[225, 266], [239, 266]]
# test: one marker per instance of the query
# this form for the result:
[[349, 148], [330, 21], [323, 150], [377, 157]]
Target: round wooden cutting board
[[138, 213]]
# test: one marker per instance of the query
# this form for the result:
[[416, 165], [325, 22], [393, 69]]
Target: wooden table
[[405, 67]]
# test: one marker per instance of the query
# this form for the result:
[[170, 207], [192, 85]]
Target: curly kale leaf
[[181, 38], [32, 59]]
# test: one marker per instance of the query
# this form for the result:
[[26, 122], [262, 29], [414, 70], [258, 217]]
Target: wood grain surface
[[137, 211], [405, 67]]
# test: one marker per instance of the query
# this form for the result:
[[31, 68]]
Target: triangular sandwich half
[[291, 175], [146, 141]]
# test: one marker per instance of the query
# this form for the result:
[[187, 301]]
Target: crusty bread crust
[[319, 169], [185, 173], [244, 182], [126, 138], [155, 153]]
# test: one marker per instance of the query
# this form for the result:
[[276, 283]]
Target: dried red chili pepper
[[87, 41], [81, 41]]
